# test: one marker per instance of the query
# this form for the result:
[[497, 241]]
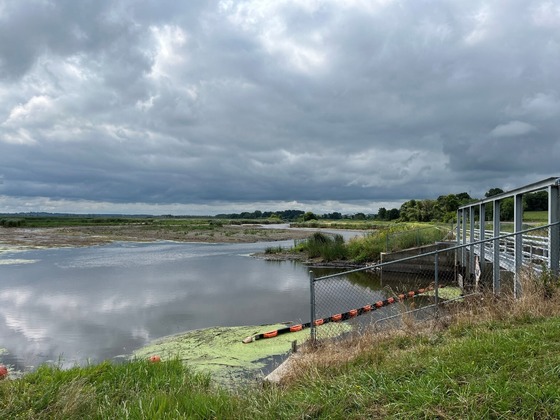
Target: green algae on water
[[221, 352]]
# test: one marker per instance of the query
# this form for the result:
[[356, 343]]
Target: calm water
[[73, 305]]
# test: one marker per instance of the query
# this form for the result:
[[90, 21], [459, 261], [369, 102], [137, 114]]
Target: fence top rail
[[452, 248], [540, 185]]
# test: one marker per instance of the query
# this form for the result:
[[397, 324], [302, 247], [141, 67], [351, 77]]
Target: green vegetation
[[220, 351], [483, 358], [367, 248], [66, 220], [535, 216], [394, 238], [327, 247]]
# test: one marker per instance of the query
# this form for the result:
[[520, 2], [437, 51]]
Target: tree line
[[442, 209]]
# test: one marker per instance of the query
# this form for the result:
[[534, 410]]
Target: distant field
[[535, 216]]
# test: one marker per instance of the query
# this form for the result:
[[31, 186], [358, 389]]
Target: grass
[[342, 224], [535, 216], [362, 249], [394, 238], [132, 390], [484, 358]]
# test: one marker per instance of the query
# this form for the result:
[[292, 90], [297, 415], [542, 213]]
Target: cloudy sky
[[206, 106]]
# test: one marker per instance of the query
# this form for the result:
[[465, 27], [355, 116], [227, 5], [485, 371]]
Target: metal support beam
[[436, 280], [518, 241], [496, 250], [458, 228], [464, 236], [554, 231], [471, 240], [482, 229]]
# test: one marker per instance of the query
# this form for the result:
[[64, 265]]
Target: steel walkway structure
[[511, 251]]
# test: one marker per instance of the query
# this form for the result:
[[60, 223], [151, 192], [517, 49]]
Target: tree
[[382, 213], [507, 209], [393, 214], [309, 216], [537, 201], [493, 191]]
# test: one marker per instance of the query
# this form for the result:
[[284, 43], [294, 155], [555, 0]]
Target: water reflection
[[90, 304], [95, 303]]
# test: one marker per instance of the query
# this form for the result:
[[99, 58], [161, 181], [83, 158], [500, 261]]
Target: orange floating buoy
[[318, 322], [379, 303], [401, 296], [391, 300], [3, 372], [352, 313], [421, 290], [295, 328], [336, 317], [270, 334], [155, 358], [366, 308], [411, 293]]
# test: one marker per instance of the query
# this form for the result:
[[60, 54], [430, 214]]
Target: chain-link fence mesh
[[361, 299], [404, 281]]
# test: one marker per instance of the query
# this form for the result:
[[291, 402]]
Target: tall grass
[[395, 238], [138, 390], [328, 247]]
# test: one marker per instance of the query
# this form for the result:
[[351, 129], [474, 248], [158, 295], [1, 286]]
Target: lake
[[78, 305]]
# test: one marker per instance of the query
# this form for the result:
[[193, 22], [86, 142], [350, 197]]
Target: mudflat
[[72, 236]]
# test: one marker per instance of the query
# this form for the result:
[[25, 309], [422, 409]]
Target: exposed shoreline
[[78, 236], [14, 239]]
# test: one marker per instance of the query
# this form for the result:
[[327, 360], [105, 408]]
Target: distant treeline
[[294, 215], [444, 208]]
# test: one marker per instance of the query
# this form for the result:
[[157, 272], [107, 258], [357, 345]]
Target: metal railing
[[337, 294]]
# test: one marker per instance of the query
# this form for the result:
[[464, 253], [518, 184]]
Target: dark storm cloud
[[210, 103]]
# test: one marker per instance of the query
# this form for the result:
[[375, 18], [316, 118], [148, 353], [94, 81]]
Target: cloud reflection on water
[[98, 302]]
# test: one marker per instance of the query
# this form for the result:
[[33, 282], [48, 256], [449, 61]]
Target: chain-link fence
[[416, 279]]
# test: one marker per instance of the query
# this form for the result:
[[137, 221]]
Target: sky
[[203, 106]]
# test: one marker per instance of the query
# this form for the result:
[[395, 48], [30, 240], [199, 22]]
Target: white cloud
[[512, 129]]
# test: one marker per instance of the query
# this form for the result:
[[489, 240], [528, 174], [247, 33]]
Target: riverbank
[[484, 358]]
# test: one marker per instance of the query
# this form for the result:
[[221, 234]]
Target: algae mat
[[446, 293], [220, 352]]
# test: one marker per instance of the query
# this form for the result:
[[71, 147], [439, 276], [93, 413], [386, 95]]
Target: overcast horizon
[[206, 107]]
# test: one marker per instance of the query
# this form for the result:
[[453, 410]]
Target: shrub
[[325, 246]]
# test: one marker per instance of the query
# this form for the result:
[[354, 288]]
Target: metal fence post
[[313, 332], [554, 231], [436, 280], [471, 240], [482, 236], [496, 248], [518, 243]]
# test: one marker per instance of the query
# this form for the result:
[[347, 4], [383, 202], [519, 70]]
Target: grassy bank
[[484, 358], [368, 247]]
